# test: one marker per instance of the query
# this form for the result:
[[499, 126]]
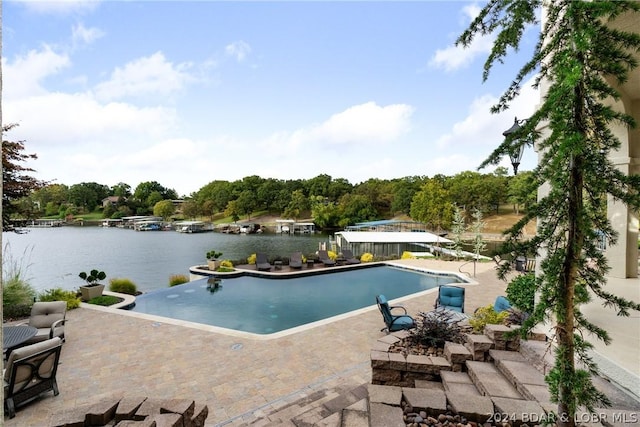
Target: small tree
[[458, 227], [164, 209], [583, 58]]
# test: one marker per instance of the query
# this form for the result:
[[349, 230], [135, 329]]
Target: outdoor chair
[[394, 322], [31, 371], [262, 263], [349, 258], [295, 261], [450, 298], [501, 304], [323, 256], [49, 319]]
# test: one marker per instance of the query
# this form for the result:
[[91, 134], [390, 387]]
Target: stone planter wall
[[394, 369]]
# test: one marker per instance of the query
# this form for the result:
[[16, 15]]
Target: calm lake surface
[[53, 257]]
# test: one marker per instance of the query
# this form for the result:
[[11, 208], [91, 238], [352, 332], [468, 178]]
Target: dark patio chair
[[450, 298], [31, 371], [262, 262], [323, 256], [394, 322], [295, 261], [349, 258]]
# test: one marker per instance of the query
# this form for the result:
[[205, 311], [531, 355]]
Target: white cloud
[[151, 75], [82, 35], [455, 57], [362, 124], [27, 72], [60, 7], [239, 50]]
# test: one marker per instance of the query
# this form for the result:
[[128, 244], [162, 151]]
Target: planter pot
[[89, 292], [213, 264]]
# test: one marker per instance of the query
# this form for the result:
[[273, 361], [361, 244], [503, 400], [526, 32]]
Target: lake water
[[53, 257]]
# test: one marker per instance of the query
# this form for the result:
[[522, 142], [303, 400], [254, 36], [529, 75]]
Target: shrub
[[178, 279], [486, 316], [251, 259], [407, 255], [226, 266], [93, 277], [16, 311], [105, 300], [366, 257], [213, 254], [332, 255], [17, 291], [123, 286], [59, 294], [435, 328], [521, 292]]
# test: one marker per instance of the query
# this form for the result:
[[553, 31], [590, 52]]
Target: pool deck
[[240, 378]]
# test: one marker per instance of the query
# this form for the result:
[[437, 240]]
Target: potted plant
[[93, 288], [213, 259]]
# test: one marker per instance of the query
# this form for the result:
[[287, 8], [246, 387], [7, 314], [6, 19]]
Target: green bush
[[59, 294], [123, 286], [17, 291], [178, 279], [16, 311], [521, 292], [486, 316], [105, 300]]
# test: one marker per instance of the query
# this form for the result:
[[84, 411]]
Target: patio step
[[458, 382], [490, 381], [330, 410], [522, 374]]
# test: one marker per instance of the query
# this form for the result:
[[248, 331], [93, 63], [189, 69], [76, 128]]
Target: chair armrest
[[398, 306], [54, 325], [21, 324]]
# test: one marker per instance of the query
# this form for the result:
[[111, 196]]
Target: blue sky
[[185, 93]]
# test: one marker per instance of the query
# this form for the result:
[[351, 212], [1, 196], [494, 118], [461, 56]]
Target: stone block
[[127, 407], [381, 346], [440, 364], [516, 411], [167, 420], [102, 412], [385, 376], [419, 363], [389, 339], [148, 408], [500, 344], [476, 342], [513, 345], [496, 331], [182, 407], [379, 359], [434, 385], [70, 418], [388, 395], [473, 408], [131, 423], [397, 361], [500, 355], [400, 334], [457, 367], [537, 335], [479, 356], [200, 414], [432, 401], [456, 353], [381, 415]]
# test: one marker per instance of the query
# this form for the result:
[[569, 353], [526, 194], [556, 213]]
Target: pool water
[[266, 305]]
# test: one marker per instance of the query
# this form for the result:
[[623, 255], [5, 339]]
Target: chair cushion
[[501, 304], [401, 322], [452, 298], [27, 351], [43, 314]]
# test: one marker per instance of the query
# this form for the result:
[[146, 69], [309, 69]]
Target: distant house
[[110, 201]]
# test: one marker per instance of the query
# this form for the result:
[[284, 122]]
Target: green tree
[[297, 205], [583, 59], [246, 203], [458, 227], [16, 181], [164, 209], [190, 209], [522, 191], [355, 208], [433, 205]]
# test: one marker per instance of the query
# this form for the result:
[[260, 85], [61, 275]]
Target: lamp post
[[516, 153]]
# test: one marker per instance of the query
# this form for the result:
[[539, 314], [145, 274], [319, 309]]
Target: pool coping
[[467, 281]]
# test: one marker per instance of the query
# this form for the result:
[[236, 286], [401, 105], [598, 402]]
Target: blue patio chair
[[394, 322], [501, 304], [450, 298]]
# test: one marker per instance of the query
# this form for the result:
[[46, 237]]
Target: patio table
[[13, 336]]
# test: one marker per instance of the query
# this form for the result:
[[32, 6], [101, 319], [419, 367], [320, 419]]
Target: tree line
[[332, 202]]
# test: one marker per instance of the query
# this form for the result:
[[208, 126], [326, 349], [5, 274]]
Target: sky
[[185, 93]]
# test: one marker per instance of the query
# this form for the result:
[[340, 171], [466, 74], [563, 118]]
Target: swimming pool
[[266, 305]]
